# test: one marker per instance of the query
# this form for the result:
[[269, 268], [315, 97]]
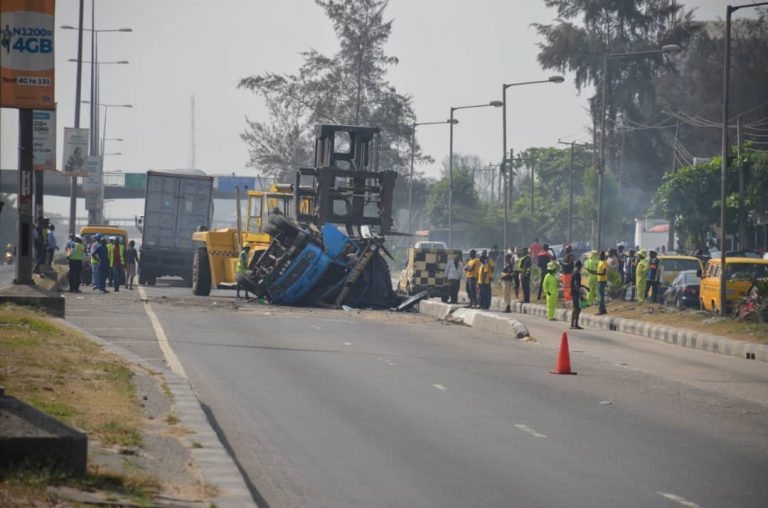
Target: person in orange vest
[[567, 265], [472, 271]]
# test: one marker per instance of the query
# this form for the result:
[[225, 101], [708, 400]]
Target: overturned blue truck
[[332, 254]]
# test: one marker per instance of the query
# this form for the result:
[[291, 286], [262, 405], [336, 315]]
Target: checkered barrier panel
[[427, 266]]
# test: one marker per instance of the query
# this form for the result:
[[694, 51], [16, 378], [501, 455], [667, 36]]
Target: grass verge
[[71, 378]]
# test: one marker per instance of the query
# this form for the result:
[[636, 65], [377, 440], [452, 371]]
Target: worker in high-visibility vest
[[591, 267], [75, 255], [551, 289], [242, 265], [641, 275]]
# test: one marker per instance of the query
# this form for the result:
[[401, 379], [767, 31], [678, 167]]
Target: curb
[[691, 339], [218, 467]]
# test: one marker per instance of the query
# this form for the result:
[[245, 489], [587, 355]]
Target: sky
[[451, 53]]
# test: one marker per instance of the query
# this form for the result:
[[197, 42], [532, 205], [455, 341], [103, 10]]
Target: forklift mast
[[347, 187]]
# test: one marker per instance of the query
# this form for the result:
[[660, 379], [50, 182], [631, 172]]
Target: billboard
[[75, 151], [26, 54], [43, 140], [92, 182]]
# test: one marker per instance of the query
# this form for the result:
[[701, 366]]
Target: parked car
[[671, 266], [740, 272], [683, 291]]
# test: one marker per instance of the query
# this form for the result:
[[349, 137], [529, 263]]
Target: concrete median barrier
[[482, 320]]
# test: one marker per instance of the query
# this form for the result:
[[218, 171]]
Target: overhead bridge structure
[[120, 185]]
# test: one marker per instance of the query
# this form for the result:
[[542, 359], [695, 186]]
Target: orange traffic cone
[[564, 358]]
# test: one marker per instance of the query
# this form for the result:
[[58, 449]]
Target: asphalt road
[[348, 409]]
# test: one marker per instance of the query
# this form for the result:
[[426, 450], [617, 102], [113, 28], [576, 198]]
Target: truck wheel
[[151, 280], [201, 273]]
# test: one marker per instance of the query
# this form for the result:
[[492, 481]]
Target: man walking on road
[[576, 295], [131, 260]]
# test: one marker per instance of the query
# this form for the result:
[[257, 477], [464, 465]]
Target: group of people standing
[[638, 268], [112, 263]]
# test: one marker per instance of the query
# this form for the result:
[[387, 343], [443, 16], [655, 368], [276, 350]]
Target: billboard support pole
[[25, 184]]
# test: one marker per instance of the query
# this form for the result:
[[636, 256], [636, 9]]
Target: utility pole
[[532, 188], [671, 230], [78, 92], [744, 242]]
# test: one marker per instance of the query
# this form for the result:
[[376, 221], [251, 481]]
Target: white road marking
[[528, 430], [170, 357], [347, 343], [388, 362], [440, 387], [315, 327], [678, 499]]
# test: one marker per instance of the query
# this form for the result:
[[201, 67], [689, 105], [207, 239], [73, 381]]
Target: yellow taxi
[[670, 267], [740, 272]]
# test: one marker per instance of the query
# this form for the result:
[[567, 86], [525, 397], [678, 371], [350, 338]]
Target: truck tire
[[201, 273]]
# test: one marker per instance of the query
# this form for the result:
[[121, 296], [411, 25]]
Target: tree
[[587, 29], [348, 88], [692, 195], [697, 91]]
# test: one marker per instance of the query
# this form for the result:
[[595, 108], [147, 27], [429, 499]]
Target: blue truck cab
[[309, 266]]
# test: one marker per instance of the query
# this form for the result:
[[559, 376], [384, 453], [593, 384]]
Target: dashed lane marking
[[679, 499], [528, 430], [388, 362], [162, 340], [440, 387], [347, 343]]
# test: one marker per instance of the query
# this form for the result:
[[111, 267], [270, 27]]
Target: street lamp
[[94, 216], [570, 185], [671, 49], [493, 104], [503, 166], [729, 10], [106, 108], [413, 155]]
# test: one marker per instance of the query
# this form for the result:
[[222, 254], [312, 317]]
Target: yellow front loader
[[215, 262]]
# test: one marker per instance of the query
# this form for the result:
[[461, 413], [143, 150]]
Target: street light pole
[[94, 217], [410, 178], [729, 10], [669, 48], [78, 93], [494, 104], [572, 144], [503, 167]]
